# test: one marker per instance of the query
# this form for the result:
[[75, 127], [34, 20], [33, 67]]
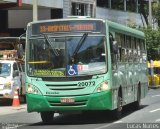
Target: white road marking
[[156, 96], [101, 127], [105, 126], [118, 121], [155, 110]]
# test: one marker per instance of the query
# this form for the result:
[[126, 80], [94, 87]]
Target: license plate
[[67, 100]]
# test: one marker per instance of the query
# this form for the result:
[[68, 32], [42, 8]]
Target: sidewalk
[[4, 110]]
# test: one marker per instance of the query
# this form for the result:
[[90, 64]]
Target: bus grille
[[76, 103], [64, 87]]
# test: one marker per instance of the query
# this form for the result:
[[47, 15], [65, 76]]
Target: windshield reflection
[[75, 56], [5, 69]]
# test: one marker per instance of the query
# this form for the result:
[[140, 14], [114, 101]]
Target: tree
[[144, 10], [156, 13], [152, 35], [153, 43]]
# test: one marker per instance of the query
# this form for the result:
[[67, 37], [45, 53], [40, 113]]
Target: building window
[[117, 4], [103, 3], [131, 5], [79, 9]]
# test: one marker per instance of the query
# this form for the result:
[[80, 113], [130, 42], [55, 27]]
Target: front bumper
[[96, 101], [6, 93]]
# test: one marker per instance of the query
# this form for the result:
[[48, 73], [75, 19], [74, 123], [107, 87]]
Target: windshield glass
[[5, 69], [66, 56]]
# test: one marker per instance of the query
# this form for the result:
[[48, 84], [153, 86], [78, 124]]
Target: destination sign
[[67, 26], [48, 73]]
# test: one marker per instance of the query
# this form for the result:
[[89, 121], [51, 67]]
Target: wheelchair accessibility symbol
[[72, 70]]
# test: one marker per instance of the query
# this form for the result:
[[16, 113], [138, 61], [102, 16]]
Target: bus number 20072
[[85, 84]]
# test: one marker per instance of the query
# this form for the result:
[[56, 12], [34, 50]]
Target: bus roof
[[65, 19], [124, 29]]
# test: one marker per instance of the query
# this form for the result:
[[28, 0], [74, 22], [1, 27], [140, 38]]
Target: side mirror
[[15, 73], [20, 50], [115, 47], [21, 43]]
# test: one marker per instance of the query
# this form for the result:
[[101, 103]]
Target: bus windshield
[[5, 69], [66, 56]]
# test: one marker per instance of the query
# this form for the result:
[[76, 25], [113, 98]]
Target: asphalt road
[[146, 117]]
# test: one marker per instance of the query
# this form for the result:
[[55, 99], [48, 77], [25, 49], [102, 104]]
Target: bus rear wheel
[[47, 117]]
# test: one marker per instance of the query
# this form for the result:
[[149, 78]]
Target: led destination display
[[68, 26]]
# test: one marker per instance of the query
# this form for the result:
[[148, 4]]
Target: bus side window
[[118, 39]]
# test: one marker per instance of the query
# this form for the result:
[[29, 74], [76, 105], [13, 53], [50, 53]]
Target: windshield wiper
[[80, 43], [3, 76], [50, 43]]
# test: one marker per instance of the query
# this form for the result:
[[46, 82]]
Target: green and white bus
[[83, 64]]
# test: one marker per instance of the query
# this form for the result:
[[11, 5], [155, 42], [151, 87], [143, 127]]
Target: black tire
[[118, 111], [136, 105], [24, 98], [47, 117]]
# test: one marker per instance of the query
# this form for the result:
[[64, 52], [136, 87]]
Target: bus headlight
[[7, 85], [103, 87], [33, 89]]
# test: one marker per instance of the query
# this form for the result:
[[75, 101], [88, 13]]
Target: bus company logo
[[50, 93]]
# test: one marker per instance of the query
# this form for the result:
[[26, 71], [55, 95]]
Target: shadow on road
[[8, 102], [88, 118]]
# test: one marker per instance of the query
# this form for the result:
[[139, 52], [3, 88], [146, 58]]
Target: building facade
[[17, 13]]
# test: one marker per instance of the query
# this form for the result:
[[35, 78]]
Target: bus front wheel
[[47, 117], [118, 111], [136, 104]]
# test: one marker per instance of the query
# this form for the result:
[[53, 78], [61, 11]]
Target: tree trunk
[[142, 10]]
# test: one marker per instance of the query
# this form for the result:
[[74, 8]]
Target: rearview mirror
[[15, 73], [115, 47]]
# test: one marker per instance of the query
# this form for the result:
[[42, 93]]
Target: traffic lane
[[78, 121], [93, 121], [102, 120], [149, 110]]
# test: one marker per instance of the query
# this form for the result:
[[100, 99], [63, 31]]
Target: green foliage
[[156, 12], [153, 43]]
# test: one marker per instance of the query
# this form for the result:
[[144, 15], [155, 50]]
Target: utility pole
[[150, 13], [94, 9], [35, 10]]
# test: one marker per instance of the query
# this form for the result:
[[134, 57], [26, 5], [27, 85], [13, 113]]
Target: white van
[[11, 78]]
